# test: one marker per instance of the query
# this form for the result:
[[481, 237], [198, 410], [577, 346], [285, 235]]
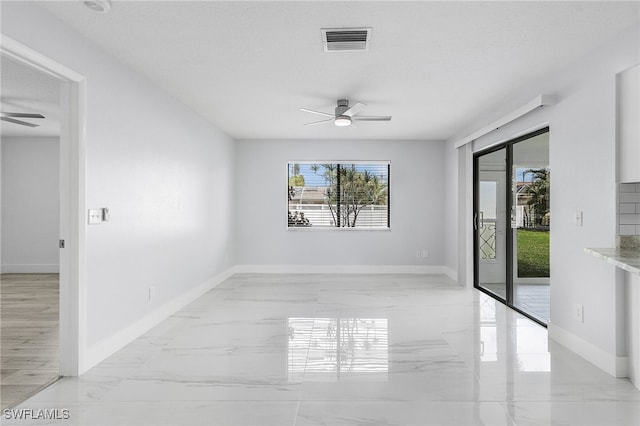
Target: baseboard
[[450, 272], [613, 365], [98, 352], [342, 269], [30, 269]]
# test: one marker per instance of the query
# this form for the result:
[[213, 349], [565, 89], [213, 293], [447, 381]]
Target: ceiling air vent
[[345, 39]]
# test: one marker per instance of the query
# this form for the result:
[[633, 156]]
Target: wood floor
[[29, 335]]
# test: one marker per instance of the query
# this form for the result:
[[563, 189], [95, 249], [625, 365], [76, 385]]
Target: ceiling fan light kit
[[344, 114], [342, 121]]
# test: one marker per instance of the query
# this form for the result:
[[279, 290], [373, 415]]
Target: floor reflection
[[532, 349], [488, 335], [528, 341], [330, 349]]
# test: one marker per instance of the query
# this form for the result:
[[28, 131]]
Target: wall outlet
[[422, 253], [578, 313]]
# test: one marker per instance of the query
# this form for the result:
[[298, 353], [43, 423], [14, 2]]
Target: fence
[[320, 215]]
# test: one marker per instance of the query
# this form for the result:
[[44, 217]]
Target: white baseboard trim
[[451, 273], [617, 366], [98, 352], [31, 269], [341, 269]]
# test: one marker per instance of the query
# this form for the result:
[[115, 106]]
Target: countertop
[[625, 258]]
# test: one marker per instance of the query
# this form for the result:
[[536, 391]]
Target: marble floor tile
[[165, 413], [344, 413], [330, 349], [584, 413]]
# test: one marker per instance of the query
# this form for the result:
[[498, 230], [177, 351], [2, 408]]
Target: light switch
[[95, 216], [577, 218]]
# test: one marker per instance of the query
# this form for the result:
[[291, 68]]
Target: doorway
[[30, 162], [512, 215], [72, 178]]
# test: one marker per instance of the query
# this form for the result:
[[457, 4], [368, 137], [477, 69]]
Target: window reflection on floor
[[331, 349]]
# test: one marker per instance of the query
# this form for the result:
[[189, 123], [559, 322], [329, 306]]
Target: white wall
[[583, 163], [417, 214], [30, 205], [165, 173]]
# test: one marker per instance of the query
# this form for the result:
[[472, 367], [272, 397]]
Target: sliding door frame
[[508, 145]]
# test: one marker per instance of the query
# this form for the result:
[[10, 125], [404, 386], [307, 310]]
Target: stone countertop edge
[[624, 258]]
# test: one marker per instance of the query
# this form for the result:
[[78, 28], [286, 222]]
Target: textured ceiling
[[249, 66]]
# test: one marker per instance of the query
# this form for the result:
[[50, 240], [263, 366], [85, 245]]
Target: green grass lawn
[[533, 253]]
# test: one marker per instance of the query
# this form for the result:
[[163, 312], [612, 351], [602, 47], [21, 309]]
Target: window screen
[[338, 195]]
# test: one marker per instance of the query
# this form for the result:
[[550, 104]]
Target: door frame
[[509, 278], [73, 227]]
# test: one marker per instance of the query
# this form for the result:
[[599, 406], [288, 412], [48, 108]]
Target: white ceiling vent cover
[[346, 39]]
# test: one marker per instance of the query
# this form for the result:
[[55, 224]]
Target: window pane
[[345, 195]]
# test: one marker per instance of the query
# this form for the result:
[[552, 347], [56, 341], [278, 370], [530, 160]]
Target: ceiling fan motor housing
[[343, 105]]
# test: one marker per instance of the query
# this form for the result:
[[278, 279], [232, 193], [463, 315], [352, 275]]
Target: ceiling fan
[[11, 118], [345, 115]]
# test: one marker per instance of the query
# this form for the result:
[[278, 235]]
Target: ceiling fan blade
[[319, 122], [317, 112], [354, 109], [20, 115], [372, 118], [23, 123]]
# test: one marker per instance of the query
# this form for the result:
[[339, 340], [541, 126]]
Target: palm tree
[[539, 192], [296, 179]]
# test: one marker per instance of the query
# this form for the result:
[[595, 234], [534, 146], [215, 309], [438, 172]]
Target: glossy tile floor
[[342, 350], [534, 299], [29, 327]]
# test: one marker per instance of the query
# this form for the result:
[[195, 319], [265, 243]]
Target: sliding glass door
[[531, 227], [511, 223]]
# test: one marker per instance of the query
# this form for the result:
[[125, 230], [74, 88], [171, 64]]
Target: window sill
[[334, 229]]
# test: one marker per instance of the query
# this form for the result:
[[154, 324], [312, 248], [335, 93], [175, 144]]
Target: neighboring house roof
[[309, 195]]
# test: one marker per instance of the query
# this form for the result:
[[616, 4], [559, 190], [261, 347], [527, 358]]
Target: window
[[338, 195]]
